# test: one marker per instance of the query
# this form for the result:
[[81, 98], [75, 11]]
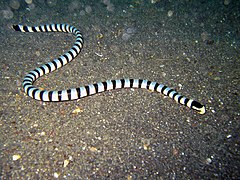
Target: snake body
[[80, 92]]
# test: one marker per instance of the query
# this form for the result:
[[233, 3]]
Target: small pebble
[[229, 136], [93, 149], [155, 1], [170, 13], [70, 158], [146, 143], [217, 78], [65, 163], [56, 175], [15, 157], [88, 9], [226, 2], [28, 1], [208, 161], [43, 133], [37, 53], [77, 110]]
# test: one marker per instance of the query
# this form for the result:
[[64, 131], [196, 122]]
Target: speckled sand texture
[[191, 46]]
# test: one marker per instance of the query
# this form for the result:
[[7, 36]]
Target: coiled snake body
[[80, 92]]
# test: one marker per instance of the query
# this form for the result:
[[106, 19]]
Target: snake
[[84, 91]]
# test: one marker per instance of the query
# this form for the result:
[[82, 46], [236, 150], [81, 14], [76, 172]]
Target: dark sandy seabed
[[191, 46]]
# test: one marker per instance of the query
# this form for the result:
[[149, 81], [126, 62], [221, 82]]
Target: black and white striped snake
[[80, 92]]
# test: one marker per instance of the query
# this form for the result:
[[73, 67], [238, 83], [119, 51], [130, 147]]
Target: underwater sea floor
[[191, 46]]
